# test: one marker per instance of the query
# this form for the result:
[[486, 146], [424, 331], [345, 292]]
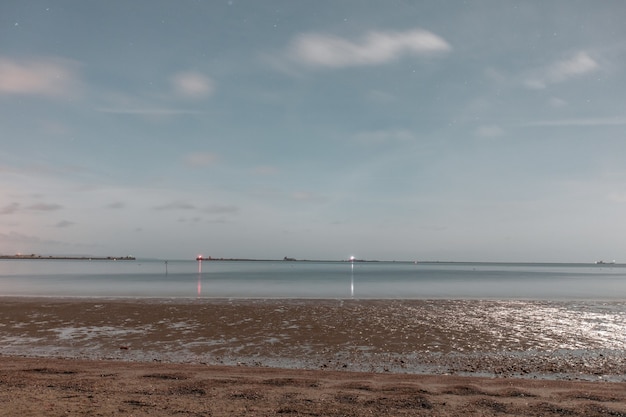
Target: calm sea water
[[331, 280]]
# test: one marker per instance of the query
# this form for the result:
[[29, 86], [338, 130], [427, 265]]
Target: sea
[[311, 279], [523, 319]]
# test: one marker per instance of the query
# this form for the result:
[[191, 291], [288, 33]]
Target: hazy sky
[[428, 130]]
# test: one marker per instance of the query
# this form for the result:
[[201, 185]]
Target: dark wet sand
[[298, 357]]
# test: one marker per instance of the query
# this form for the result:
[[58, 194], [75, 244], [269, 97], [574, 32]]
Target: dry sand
[[57, 387], [299, 357]]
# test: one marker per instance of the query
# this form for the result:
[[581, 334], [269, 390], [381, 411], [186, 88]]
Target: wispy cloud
[[212, 209], [16, 207], [116, 205], [617, 197], [322, 50], [609, 121], [557, 102], [147, 111], [14, 238], [10, 208], [384, 136], [176, 206], [560, 71], [306, 196], [489, 131], [193, 85], [221, 209], [44, 207], [200, 159], [64, 223], [52, 77]]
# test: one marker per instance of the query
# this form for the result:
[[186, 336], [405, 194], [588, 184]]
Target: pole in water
[[165, 267]]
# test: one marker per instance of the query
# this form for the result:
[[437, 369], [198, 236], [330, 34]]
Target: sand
[[303, 357]]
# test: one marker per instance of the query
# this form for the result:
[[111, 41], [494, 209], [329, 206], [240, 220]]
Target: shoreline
[[259, 357], [491, 338], [66, 258]]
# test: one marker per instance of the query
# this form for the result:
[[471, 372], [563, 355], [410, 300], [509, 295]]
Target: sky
[[486, 130]]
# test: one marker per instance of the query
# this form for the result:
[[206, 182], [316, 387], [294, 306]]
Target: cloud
[[52, 77], [193, 85], [44, 207], [306, 196], [176, 206], [64, 223], [557, 102], [148, 111], [617, 197], [564, 70], [221, 209], [200, 159], [15, 207], [10, 209], [489, 131], [14, 238], [320, 50], [610, 121], [384, 136], [116, 205]]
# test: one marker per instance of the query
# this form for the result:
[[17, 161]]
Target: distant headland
[[286, 258], [68, 257]]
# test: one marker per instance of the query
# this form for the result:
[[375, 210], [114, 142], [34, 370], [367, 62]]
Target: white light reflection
[[199, 259], [352, 280]]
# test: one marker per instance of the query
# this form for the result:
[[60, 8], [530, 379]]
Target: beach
[[80, 356]]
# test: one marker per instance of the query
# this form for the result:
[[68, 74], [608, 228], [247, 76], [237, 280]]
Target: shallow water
[[325, 280]]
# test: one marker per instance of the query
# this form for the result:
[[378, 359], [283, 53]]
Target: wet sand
[[310, 357]]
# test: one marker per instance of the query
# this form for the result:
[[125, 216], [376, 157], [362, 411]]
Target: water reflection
[[351, 279], [310, 280]]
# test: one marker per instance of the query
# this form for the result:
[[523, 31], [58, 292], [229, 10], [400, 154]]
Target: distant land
[[76, 258], [286, 258]]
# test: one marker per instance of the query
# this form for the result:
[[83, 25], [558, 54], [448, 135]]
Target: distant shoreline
[[69, 258]]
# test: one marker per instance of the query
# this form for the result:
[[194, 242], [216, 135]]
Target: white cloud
[[52, 77], [614, 121], [557, 102], [490, 131], [560, 71], [193, 85], [580, 64], [320, 50], [617, 197]]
